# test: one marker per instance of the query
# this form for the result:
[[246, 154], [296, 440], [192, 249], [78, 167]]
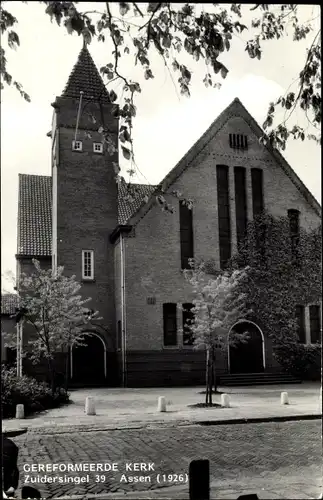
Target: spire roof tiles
[[85, 78]]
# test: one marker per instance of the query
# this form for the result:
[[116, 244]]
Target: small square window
[[77, 145], [98, 147]]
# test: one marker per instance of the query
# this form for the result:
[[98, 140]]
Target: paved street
[[284, 458]]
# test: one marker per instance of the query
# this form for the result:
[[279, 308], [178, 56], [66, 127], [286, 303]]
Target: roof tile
[[130, 198], [35, 215], [35, 211], [86, 78]]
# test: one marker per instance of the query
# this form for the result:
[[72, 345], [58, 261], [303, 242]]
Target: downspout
[[18, 349], [54, 205], [21, 346], [123, 314]]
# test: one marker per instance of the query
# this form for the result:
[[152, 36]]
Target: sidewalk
[[137, 408]]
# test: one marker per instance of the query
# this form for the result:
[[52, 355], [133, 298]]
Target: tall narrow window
[[87, 264], [241, 202], [315, 322], [257, 191], [188, 318], [170, 324], [294, 229], [186, 234], [300, 318], [119, 336], [223, 214]]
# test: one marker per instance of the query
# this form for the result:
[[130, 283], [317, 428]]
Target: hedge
[[35, 396], [300, 360]]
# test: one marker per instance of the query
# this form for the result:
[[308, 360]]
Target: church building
[[130, 256]]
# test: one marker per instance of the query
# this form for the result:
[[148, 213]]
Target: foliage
[[53, 309], [279, 279], [300, 360], [35, 396], [203, 33], [217, 306]]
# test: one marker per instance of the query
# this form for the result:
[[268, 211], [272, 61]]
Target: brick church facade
[[128, 254]]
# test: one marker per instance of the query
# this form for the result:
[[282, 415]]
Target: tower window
[[77, 145], [238, 141], [87, 264], [98, 147]]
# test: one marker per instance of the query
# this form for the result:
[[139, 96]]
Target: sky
[[166, 125]]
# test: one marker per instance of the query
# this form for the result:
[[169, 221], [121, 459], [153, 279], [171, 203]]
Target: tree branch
[[137, 9], [116, 50], [151, 17]]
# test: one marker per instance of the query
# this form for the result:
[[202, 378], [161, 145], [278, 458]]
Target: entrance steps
[[240, 379]]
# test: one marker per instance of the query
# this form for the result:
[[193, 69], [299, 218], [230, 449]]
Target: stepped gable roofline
[[86, 78], [236, 108]]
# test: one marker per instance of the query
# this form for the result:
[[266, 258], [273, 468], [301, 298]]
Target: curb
[[14, 432], [259, 420]]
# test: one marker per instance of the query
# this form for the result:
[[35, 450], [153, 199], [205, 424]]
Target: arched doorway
[[88, 362], [247, 357]]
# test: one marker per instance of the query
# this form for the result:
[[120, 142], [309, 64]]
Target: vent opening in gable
[[238, 141]]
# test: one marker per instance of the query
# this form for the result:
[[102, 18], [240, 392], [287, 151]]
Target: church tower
[[85, 193]]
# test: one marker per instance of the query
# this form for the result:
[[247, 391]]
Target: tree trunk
[[208, 399], [210, 385], [51, 375], [214, 379], [66, 370], [207, 378]]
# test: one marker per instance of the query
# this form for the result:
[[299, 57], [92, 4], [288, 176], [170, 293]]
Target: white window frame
[[100, 150], [87, 274], [77, 146]]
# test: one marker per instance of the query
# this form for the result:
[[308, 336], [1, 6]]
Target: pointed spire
[[85, 77]]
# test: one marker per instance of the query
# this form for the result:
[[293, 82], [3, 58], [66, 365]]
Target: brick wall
[[87, 203], [157, 272]]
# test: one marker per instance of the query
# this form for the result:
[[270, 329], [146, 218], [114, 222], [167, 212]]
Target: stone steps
[[240, 379]]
